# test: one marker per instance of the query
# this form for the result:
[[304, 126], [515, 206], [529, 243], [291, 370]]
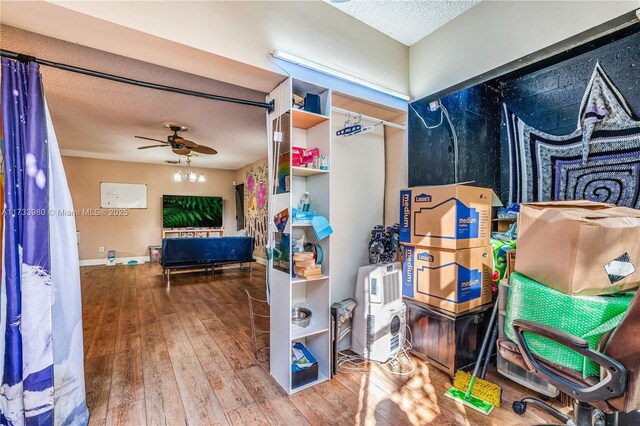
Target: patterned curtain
[[599, 161], [42, 357]]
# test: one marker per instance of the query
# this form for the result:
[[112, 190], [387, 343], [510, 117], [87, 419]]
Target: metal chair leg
[[521, 406]]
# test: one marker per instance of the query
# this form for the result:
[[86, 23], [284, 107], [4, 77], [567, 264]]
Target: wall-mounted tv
[[190, 211]]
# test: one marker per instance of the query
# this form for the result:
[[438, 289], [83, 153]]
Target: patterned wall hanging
[[599, 161], [255, 204]]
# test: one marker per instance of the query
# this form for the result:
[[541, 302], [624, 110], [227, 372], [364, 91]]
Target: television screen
[[190, 211]]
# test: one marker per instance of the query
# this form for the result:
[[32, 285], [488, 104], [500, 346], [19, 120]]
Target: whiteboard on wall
[[123, 196]]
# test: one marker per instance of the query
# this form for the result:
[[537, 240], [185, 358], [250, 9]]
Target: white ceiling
[[407, 21], [98, 118]]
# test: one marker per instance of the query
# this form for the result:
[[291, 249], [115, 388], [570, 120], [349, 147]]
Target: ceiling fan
[[178, 144]]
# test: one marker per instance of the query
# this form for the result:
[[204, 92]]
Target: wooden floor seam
[[182, 355]]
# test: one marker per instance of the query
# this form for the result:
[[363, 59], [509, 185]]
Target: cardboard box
[[503, 224], [456, 280], [511, 263], [446, 216], [580, 247]]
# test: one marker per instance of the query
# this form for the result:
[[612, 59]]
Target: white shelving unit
[[306, 172], [307, 130], [303, 280]]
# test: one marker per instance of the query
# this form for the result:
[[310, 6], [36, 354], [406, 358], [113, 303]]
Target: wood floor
[[182, 356]]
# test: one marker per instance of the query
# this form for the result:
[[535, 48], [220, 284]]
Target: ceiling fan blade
[[182, 151], [204, 150], [187, 143], [152, 139], [151, 146]]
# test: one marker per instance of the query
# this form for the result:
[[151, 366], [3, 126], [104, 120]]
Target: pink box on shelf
[[296, 156], [307, 158], [301, 157]]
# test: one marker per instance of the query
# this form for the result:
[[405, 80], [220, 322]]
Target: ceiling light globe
[[177, 177], [201, 178]]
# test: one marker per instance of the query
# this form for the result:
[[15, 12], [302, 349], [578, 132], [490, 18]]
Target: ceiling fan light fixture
[[189, 175]]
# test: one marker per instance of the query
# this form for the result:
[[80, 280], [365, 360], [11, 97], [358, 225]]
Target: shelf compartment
[[321, 378], [305, 171], [305, 120], [312, 329], [302, 280], [301, 224]]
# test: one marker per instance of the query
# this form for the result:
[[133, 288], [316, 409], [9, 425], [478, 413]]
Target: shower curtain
[[41, 354]]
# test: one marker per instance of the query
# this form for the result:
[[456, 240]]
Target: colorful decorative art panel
[[255, 205]]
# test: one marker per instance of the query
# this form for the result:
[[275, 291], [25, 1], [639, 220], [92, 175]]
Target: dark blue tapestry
[[599, 161]]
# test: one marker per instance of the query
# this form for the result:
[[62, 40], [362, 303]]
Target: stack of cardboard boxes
[[445, 231]]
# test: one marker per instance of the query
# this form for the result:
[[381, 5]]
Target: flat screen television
[[190, 211]]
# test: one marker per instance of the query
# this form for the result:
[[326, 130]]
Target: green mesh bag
[[588, 317]]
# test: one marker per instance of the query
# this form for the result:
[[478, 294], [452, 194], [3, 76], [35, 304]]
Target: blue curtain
[[42, 358]]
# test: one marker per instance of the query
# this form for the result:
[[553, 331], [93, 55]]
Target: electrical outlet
[[101, 249], [278, 136]]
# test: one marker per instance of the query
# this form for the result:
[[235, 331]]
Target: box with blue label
[[446, 216], [453, 280]]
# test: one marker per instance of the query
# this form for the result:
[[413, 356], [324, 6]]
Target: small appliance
[[379, 316]]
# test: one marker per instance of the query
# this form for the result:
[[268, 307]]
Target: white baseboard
[[120, 260], [261, 261]]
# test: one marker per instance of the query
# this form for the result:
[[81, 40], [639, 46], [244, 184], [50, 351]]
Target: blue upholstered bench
[[194, 253]]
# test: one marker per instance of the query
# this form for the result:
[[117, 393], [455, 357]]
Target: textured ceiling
[[98, 118], [407, 21]]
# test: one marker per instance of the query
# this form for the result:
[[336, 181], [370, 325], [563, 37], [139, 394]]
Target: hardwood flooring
[[183, 356]]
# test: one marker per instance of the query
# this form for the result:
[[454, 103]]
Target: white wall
[[396, 143], [357, 202], [242, 31], [494, 33], [131, 234]]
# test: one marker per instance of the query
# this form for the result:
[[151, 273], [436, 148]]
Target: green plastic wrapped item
[[588, 317], [500, 249]]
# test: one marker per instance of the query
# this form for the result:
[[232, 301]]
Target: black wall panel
[[475, 114]]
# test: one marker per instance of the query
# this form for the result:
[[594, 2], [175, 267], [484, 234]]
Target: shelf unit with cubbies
[[306, 130], [192, 232]]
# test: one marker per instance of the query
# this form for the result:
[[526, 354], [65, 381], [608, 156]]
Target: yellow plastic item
[[483, 389]]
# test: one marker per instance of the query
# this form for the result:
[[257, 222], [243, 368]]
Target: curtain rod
[[366, 117], [26, 58]]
